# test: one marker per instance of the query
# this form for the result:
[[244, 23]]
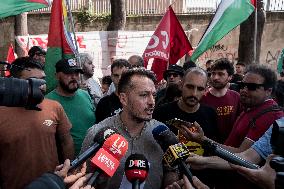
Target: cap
[[68, 66], [36, 50], [173, 69]]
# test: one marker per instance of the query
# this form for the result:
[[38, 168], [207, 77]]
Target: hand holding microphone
[[100, 137], [175, 152], [107, 159]]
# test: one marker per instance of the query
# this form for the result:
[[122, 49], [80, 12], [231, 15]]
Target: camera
[[21, 93], [277, 144]]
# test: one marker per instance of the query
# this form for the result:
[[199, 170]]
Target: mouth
[[149, 111]]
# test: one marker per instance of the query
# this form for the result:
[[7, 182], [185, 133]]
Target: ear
[[268, 92], [123, 99], [230, 77]]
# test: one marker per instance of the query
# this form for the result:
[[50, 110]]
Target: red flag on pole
[[10, 58], [168, 42]]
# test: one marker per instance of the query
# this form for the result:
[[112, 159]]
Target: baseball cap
[[36, 50], [67, 66], [174, 69]]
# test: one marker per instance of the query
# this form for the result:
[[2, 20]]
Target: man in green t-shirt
[[77, 103]]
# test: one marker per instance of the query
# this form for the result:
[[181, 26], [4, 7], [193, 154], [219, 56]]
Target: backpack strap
[[273, 108]]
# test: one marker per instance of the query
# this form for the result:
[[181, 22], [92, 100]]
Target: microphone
[[107, 158], [99, 138], [217, 150], [175, 152], [136, 169]]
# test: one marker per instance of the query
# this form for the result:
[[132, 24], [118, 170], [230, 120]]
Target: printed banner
[[105, 46]]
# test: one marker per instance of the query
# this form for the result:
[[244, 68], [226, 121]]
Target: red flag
[[169, 41], [158, 67], [10, 58]]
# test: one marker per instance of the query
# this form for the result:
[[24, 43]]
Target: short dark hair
[[120, 63], [268, 74], [23, 63], [241, 64], [188, 64], [223, 64], [106, 80], [125, 84]]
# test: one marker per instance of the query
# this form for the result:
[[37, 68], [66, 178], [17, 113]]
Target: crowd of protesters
[[232, 105]]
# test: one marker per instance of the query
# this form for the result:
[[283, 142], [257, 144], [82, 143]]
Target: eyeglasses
[[250, 86], [172, 74]]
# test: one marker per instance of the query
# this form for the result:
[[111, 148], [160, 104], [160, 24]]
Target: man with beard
[[76, 102], [253, 122], [188, 108], [136, 91], [226, 102], [91, 82]]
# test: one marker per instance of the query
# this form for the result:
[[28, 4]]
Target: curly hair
[[223, 64]]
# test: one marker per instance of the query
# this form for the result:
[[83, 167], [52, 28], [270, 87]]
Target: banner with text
[[105, 46]]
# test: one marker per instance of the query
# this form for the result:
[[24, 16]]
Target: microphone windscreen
[[164, 137], [117, 145], [136, 168], [158, 130], [103, 134]]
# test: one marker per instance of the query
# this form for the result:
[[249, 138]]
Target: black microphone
[[172, 148], [99, 138], [136, 169], [217, 150]]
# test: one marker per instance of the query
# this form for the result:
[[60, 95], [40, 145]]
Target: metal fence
[[158, 7]]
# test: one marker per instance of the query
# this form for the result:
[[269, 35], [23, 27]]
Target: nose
[[194, 91], [151, 100]]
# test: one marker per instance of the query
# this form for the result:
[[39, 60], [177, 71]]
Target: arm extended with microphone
[[107, 159], [99, 139], [175, 152], [217, 150]]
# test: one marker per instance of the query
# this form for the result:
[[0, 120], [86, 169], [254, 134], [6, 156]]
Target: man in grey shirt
[[136, 90]]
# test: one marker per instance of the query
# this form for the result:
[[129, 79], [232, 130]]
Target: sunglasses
[[250, 86], [172, 74]]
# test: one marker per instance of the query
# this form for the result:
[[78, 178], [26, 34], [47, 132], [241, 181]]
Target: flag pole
[[255, 33], [73, 31]]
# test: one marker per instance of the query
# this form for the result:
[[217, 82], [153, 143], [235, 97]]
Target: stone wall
[[194, 25]]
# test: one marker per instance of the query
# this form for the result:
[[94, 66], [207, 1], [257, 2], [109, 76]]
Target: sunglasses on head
[[250, 86], [172, 74]]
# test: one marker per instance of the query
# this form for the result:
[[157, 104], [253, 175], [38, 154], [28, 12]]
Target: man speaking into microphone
[[136, 90]]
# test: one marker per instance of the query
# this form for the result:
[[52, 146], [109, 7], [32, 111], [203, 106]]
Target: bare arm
[[214, 162], [67, 146]]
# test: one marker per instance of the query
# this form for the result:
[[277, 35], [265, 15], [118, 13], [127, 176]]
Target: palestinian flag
[[60, 43], [229, 14], [15, 7], [280, 61]]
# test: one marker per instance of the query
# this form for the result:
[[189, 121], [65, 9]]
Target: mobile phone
[[178, 122]]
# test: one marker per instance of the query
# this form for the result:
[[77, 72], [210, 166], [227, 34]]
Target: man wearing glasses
[[173, 75], [255, 96]]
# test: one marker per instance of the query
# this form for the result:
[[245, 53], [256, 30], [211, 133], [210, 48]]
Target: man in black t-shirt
[[110, 105], [188, 107]]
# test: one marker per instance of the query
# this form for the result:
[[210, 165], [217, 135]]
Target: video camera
[[277, 144], [21, 93]]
